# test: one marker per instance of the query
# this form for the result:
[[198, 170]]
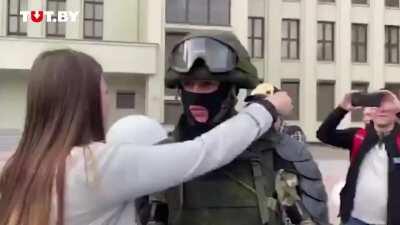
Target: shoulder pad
[[313, 188], [318, 210], [292, 150], [308, 169]]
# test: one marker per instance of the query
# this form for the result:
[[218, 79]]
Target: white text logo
[[38, 16]]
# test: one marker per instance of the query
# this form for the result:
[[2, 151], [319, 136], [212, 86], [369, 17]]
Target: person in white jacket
[[63, 172]]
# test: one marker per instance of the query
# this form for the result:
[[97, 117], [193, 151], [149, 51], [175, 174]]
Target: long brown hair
[[63, 110]]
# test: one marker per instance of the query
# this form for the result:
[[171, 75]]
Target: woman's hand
[[282, 102], [346, 102]]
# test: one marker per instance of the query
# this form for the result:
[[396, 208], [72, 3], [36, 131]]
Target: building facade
[[125, 36], [319, 50]]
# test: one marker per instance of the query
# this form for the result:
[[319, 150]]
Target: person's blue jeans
[[354, 221]]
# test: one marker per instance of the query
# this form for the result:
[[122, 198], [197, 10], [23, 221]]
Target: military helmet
[[222, 52]]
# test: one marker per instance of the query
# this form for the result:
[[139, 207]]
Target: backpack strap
[[264, 166], [265, 203], [357, 142]]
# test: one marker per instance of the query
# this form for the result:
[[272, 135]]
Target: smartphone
[[367, 99]]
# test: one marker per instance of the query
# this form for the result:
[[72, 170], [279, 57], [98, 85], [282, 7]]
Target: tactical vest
[[241, 194]]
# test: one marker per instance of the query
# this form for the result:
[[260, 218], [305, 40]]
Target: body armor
[[230, 194]]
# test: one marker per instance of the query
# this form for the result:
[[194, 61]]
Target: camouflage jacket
[[229, 195]]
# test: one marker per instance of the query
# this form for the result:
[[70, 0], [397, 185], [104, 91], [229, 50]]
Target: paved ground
[[333, 163]]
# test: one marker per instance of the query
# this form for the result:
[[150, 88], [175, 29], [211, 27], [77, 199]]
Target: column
[[273, 35], [376, 31], [74, 30], [308, 80], [3, 18], [343, 53], [36, 29], [154, 32], [239, 17]]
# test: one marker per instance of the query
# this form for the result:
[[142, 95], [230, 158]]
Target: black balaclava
[[218, 103]]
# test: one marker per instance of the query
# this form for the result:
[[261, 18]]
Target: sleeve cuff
[[261, 115], [268, 106], [341, 110]]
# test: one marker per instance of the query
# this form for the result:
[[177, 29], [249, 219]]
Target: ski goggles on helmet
[[218, 57]]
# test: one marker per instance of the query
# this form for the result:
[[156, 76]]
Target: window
[[325, 99], [15, 24], [325, 43], [290, 39], [323, 1], [359, 42], [93, 19], [199, 12], [172, 111], [360, 2], [292, 88], [356, 116], [393, 87], [56, 29], [391, 44], [392, 3], [125, 100], [256, 37]]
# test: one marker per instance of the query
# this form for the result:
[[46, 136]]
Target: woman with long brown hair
[[63, 172]]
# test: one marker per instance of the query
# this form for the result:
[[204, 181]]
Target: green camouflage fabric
[[218, 199], [224, 196], [244, 75]]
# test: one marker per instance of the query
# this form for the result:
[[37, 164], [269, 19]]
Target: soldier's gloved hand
[[275, 102]]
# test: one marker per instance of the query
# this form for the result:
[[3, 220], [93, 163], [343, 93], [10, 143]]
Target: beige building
[[316, 49], [319, 50], [126, 36]]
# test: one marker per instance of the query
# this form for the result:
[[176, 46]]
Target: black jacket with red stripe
[[360, 141]]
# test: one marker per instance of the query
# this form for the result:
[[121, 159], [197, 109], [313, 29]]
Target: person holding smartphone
[[370, 195], [63, 172]]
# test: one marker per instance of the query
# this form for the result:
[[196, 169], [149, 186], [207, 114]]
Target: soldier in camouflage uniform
[[274, 182]]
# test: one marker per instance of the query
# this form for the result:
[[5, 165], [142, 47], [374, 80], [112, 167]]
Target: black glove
[[261, 99]]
